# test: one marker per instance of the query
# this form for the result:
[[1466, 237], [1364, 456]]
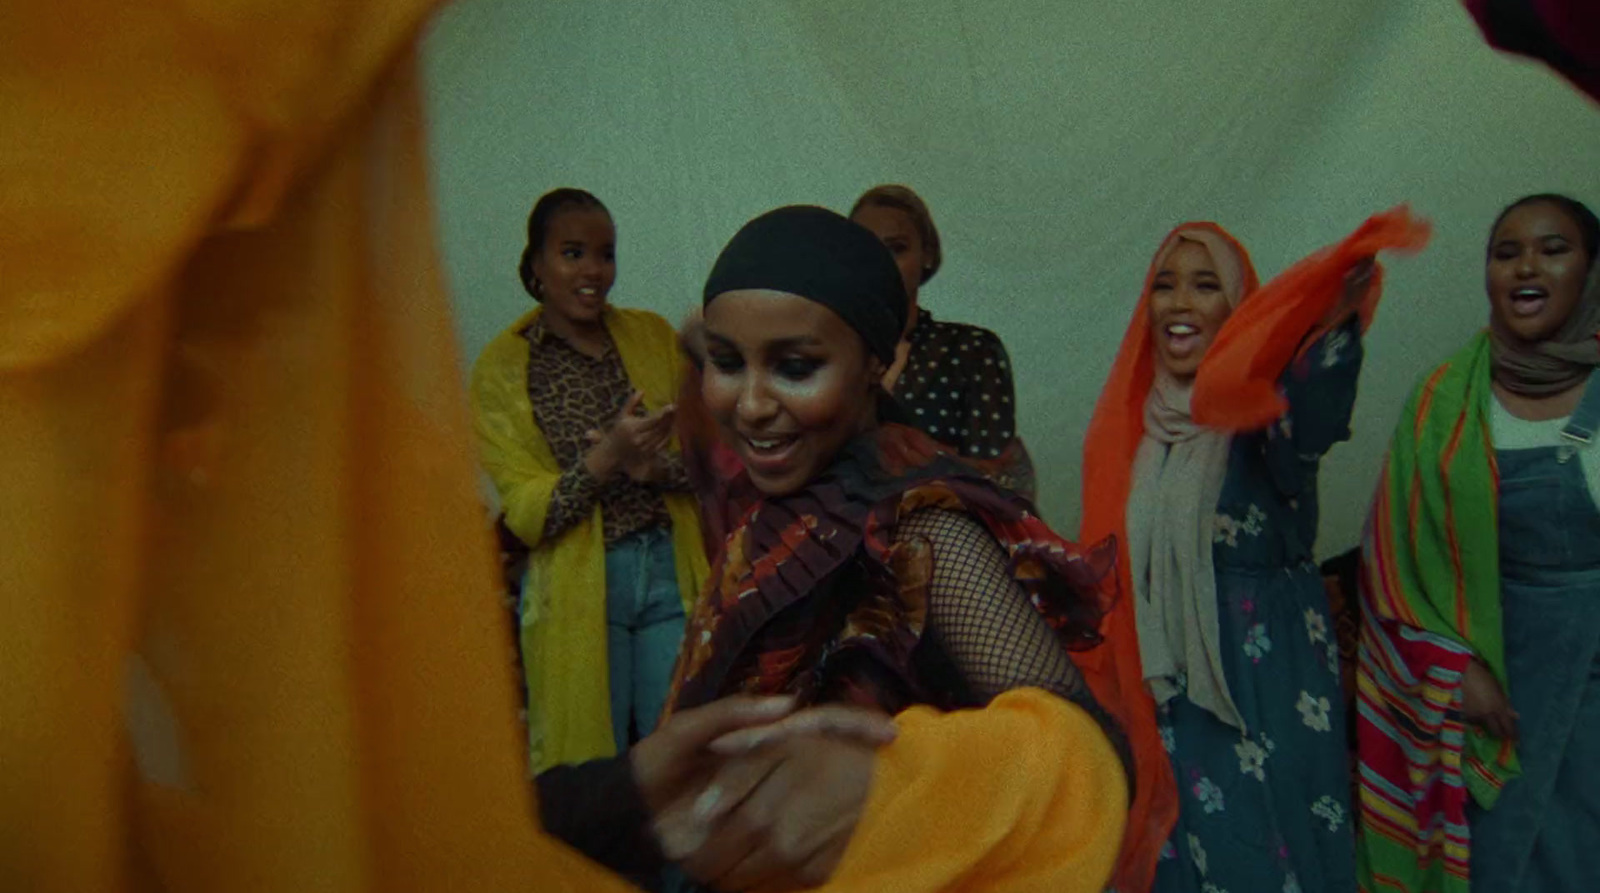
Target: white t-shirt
[[1511, 433]]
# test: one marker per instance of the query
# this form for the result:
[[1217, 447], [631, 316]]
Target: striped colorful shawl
[[1430, 587]]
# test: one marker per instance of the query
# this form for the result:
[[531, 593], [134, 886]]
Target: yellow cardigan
[[564, 593]]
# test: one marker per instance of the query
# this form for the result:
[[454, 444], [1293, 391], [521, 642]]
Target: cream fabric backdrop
[[1055, 142]]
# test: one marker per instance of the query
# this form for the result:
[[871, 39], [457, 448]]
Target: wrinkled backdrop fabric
[[1056, 144]]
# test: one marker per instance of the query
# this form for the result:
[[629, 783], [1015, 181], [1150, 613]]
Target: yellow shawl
[[564, 593]]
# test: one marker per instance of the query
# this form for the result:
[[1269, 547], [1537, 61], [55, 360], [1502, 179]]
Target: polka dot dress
[[957, 387]]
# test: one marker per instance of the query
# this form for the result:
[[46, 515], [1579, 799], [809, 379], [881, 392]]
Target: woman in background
[[1226, 622], [1481, 643], [953, 379], [574, 413]]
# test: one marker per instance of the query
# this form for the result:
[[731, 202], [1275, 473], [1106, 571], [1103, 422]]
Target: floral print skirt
[[1266, 809]]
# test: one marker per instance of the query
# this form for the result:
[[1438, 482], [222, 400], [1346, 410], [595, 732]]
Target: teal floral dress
[[1268, 809]]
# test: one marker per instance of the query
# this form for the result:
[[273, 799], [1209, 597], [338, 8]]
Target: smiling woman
[[880, 569], [575, 419], [1541, 249], [1197, 285], [1227, 621], [787, 383], [1481, 645]]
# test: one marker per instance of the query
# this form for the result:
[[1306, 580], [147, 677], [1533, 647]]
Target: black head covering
[[822, 256]]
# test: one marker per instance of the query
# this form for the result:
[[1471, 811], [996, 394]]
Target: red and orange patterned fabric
[[812, 594]]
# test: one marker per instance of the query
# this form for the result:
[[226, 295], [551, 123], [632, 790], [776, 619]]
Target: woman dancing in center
[[953, 381], [879, 569]]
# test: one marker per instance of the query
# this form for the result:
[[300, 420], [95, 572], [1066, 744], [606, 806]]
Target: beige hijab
[[1177, 479], [1553, 366]]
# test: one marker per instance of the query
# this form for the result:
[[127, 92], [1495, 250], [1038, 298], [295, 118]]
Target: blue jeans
[[1540, 835], [644, 626]]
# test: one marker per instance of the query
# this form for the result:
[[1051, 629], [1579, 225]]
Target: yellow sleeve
[[651, 354], [510, 447], [1026, 794]]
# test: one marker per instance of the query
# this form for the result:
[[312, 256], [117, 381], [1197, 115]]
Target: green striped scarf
[[1431, 565]]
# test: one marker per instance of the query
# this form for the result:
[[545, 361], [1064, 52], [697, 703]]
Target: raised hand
[[1357, 283], [1359, 280]]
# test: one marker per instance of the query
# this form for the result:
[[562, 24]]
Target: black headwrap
[[825, 257]]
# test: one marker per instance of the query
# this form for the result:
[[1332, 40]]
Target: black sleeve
[[597, 809], [1321, 391], [987, 625]]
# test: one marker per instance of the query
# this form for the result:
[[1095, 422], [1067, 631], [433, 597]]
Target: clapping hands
[[633, 443]]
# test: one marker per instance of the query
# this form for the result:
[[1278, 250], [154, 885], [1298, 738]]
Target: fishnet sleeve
[[986, 624]]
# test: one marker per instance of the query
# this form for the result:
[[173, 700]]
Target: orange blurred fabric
[[1026, 795], [1236, 389], [1237, 386], [238, 493]]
